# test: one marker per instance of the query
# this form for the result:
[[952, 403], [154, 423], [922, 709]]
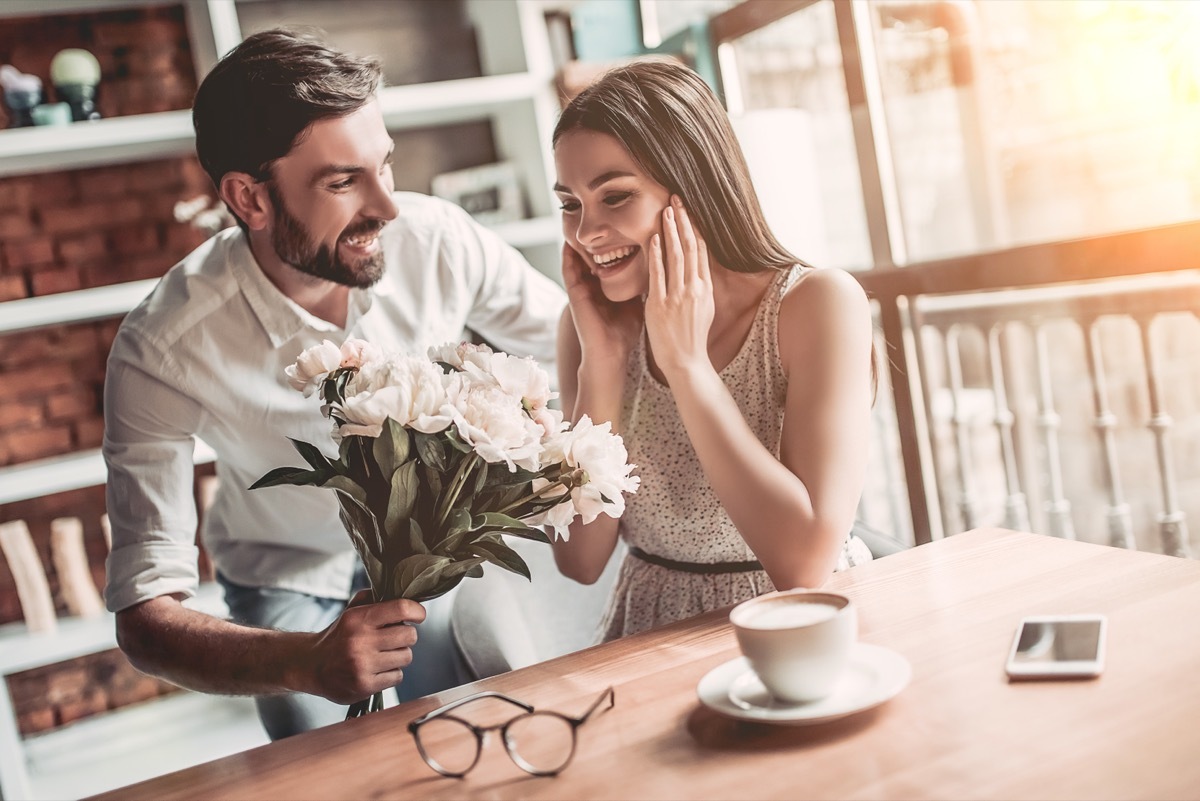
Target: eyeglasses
[[541, 743]]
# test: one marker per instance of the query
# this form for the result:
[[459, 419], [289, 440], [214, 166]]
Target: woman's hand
[[607, 331], [680, 306]]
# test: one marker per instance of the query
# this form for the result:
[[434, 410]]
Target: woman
[[740, 378]]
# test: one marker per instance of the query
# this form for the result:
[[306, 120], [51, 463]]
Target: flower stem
[[456, 485], [533, 496]]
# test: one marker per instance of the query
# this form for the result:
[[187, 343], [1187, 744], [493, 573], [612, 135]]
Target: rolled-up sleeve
[[149, 428]]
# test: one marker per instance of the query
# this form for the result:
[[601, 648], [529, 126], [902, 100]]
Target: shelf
[[21, 482], [443, 102], [140, 137], [78, 306]]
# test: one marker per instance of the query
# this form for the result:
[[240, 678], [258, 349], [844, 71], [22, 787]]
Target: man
[[292, 135]]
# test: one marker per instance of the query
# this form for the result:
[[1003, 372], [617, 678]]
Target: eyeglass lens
[[540, 742], [448, 745]]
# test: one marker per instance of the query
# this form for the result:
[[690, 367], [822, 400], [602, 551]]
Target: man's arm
[[148, 443], [362, 652]]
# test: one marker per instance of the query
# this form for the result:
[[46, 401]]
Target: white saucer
[[874, 675]]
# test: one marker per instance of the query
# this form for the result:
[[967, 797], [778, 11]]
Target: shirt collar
[[281, 317]]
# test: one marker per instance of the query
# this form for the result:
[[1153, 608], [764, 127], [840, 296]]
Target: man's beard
[[294, 245]]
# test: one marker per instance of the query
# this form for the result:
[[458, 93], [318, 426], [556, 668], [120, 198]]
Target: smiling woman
[[739, 376]]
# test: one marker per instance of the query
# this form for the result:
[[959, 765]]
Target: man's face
[[331, 195]]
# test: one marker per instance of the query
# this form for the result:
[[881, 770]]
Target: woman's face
[[610, 209]]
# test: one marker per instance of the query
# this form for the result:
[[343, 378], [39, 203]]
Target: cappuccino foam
[[789, 615]]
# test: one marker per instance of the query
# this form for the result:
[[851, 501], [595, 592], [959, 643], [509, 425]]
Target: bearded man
[[292, 135]]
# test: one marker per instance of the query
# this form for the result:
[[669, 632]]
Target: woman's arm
[[595, 339], [795, 511]]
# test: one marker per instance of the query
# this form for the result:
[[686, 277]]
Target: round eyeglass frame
[[480, 732]]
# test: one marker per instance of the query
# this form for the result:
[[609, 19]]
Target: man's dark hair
[[257, 102]]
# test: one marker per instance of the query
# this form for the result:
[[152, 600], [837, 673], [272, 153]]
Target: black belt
[[696, 567]]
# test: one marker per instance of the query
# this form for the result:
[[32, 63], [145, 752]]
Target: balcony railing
[[975, 348]]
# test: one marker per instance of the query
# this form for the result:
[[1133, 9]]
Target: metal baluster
[[1172, 524], [1120, 520], [1058, 508], [962, 433], [1016, 507]]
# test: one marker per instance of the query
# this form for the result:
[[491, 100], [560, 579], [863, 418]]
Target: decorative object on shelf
[[75, 74], [440, 457], [51, 114], [204, 213], [71, 564], [33, 591], [21, 94], [490, 193]]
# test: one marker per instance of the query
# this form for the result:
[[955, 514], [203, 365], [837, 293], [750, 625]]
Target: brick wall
[[69, 230]]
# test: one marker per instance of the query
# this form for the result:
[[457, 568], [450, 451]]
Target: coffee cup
[[797, 641]]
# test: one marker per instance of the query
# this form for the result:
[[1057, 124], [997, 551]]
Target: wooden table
[[960, 730]]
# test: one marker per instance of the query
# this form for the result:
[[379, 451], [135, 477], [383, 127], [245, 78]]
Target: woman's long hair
[[673, 126]]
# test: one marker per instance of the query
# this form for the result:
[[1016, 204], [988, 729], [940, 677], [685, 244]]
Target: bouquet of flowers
[[439, 457]]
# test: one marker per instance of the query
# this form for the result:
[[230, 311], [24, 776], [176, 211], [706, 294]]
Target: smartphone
[[1058, 647]]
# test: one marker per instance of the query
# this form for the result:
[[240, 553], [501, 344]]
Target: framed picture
[[490, 193]]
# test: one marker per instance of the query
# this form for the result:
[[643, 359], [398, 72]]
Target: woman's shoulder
[[821, 290], [821, 303]]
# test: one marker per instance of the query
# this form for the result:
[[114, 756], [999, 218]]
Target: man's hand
[[363, 651]]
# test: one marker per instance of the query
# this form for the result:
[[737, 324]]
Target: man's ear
[[247, 198]]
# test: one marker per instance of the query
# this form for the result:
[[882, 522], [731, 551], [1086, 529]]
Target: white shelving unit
[[516, 94]]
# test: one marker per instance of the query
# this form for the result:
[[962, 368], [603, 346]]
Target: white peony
[[557, 517], [601, 455], [408, 389], [524, 378], [312, 367], [357, 352], [493, 422], [463, 356]]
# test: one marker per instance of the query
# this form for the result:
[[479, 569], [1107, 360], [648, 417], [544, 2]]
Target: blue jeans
[[436, 664]]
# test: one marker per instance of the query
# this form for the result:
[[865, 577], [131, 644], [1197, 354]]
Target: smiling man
[[292, 135]]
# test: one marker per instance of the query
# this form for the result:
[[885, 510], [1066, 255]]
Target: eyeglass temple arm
[[609, 695], [441, 710]]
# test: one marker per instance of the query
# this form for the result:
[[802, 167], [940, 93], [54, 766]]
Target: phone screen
[[1053, 641]]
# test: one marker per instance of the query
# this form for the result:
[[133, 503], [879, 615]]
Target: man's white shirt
[[204, 356]]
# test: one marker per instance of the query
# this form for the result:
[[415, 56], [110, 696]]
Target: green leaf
[[494, 521], [357, 517], [416, 540], [456, 441], [391, 448], [481, 479], [404, 490], [443, 586], [500, 554], [310, 454], [458, 525], [373, 566], [433, 480], [359, 465], [295, 476], [530, 533], [418, 574], [429, 447], [346, 484]]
